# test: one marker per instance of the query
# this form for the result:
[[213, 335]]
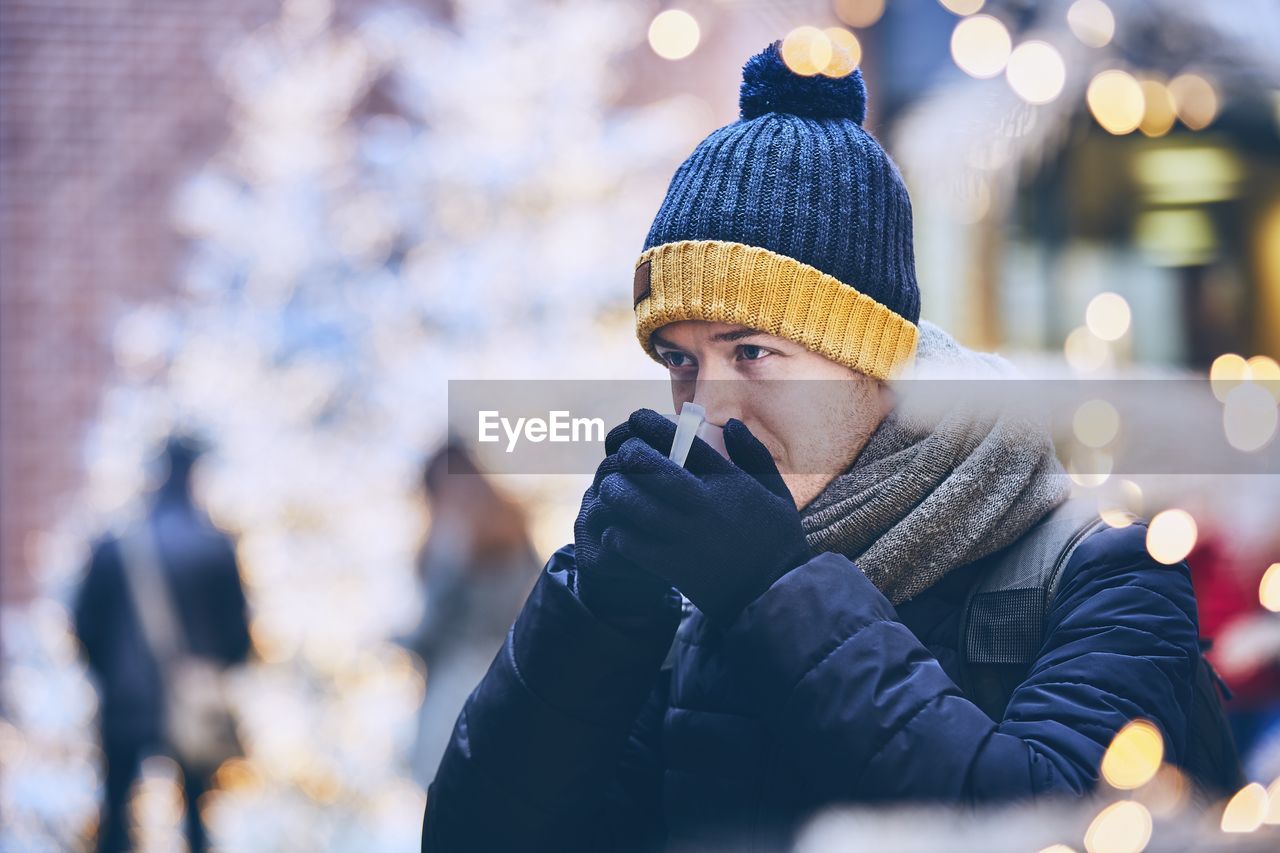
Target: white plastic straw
[[691, 417]]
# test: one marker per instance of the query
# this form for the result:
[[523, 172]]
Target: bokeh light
[[1265, 370], [962, 7], [1195, 100], [1092, 22], [1159, 111], [1269, 588], [1227, 371], [1115, 516], [1167, 793], [1036, 72], [859, 13], [1246, 810], [1249, 417], [846, 52], [1096, 423], [1089, 468], [1134, 756], [1119, 507], [1264, 367], [1116, 101], [674, 34], [1108, 316], [1171, 535], [980, 46], [1123, 827], [1273, 803], [806, 51], [1086, 352]]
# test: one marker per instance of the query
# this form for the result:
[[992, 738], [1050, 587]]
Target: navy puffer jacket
[[578, 739]]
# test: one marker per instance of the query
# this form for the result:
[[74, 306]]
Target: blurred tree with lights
[[401, 201]]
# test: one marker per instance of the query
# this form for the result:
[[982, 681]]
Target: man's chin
[[805, 487]]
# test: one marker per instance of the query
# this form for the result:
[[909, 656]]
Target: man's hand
[[609, 584], [721, 531]]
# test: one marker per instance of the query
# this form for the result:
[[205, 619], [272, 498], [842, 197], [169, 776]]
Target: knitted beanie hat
[[792, 220]]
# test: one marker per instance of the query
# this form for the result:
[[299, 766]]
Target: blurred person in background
[[1246, 646], [832, 561], [476, 566], [161, 615]]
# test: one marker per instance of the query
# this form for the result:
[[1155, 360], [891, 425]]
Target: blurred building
[[1136, 153]]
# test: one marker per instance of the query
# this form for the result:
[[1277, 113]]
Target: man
[[820, 661], [191, 586]]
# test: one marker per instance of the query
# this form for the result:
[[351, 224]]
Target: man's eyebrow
[[736, 334], [731, 335]]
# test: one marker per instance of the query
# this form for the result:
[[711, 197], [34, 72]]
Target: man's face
[[813, 429]]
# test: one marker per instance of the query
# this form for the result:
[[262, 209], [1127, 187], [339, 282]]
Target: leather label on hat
[[640, 287]]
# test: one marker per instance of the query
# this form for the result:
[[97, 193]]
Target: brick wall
[[104, 106]]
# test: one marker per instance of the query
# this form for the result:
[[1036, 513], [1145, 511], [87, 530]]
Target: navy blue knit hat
[[792, 220]]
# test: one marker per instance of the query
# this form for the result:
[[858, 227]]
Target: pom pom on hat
[[768, 85]]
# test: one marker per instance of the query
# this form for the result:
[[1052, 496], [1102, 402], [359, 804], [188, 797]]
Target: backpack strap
[[1002, 624], [151, 595]]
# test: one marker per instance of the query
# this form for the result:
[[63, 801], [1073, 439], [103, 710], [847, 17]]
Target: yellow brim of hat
[[749, 286]]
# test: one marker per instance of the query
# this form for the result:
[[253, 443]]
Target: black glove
[[719, 531], [611, 586]]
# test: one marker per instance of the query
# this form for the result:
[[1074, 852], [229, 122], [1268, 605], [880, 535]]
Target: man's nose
[[720, 396]]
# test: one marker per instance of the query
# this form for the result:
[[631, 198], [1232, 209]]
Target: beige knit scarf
[[928, 495]]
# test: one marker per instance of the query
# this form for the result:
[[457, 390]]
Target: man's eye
[[676, 359], [751, 352]]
